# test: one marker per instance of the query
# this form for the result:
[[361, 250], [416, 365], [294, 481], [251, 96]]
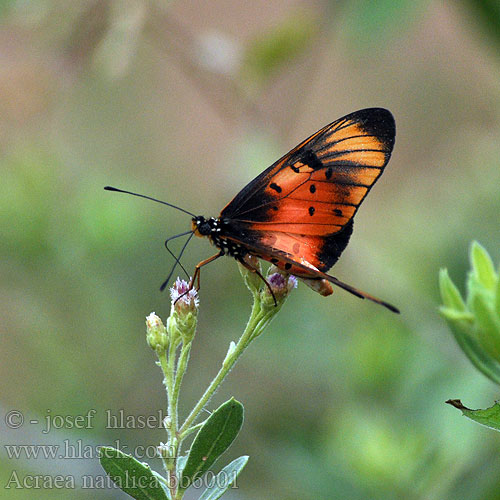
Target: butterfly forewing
[[316, 188], [303, 203]]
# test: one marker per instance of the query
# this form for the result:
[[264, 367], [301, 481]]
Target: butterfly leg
[[252, 269], [196, 274]]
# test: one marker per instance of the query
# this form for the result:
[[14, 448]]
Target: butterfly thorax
[[213, 229]]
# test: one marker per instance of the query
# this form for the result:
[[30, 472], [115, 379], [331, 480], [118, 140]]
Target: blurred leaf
[[490, 417], [450, 294], [488, 324], [213, 439], [476, 326], [488, 12], [482, 266], [497, 294], [224, 479], [477, 355], [275, 49], [368, 22], [130, 475]]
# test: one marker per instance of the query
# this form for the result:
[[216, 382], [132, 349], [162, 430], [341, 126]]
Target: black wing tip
[[377, 121]]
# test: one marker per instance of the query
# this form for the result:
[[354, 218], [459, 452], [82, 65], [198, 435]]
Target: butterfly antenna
[[110, 188], [177, 259]]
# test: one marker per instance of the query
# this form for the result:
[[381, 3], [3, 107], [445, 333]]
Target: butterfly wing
[[306, 271], [304, 204]]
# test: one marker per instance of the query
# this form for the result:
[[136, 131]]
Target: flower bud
[[475, 322], [184, 311], [281, 285], [252, 280], [156, 333]]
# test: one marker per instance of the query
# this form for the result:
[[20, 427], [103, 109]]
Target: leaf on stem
[[224, 479], [212, 440], [490, 417], [131, 476]]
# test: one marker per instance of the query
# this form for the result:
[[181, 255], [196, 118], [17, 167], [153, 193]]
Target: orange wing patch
[[298, 214], [317, 187]]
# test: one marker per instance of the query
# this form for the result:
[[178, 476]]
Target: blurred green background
[[187, 102]]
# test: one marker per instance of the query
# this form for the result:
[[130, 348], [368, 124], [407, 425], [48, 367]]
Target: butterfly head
[[204, 227]]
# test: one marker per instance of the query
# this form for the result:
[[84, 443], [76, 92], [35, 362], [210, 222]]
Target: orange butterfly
[[298, 213]]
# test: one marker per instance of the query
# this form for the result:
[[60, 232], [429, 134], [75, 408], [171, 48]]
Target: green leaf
[[131, 476], [454, 315], [482, 266], [489, 417], [488, 324], [477, 355], [497, 296], [212, 440], [488, 12], [181, 463], [224, 479], [450, 294]]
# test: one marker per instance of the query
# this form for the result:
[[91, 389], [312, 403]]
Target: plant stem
[[189, 431], [165, 359], [181, 369], [251, 329]]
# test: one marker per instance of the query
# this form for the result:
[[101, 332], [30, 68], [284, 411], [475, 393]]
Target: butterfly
[[298, 213]]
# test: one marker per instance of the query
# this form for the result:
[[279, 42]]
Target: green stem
[[192, 429], [181, 369], [253, 323], [172, 401], [168, 461]]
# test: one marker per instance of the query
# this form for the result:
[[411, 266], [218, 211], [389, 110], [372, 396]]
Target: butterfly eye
[[204, 228]]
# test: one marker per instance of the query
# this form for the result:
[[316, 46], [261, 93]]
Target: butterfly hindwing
[[305, 270]]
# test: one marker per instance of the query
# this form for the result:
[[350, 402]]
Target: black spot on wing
[[310, 159], [311, 211], [275, 186]]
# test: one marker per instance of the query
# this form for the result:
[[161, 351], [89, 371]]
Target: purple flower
[[281, 284], [183, 298]]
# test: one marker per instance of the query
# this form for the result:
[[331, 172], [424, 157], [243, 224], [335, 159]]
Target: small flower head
[[156, 333], [475, 321], [184, 311], [183, 298], [281, 285]]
